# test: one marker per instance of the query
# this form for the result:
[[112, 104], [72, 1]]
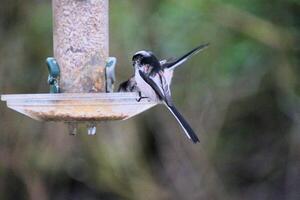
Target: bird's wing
[[162, 90], [173, 63], [160, 87], [165, 88], [158, 90]]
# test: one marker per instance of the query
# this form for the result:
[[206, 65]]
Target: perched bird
[[152, 83], [169, 65], [131, 86], [152, 79], [128, 86]]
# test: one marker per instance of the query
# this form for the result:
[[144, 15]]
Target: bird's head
[[146, 61]]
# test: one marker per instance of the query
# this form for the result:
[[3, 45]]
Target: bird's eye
[[141, 66], [135, 62]]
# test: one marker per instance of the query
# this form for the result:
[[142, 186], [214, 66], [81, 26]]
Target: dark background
[[241, 96]]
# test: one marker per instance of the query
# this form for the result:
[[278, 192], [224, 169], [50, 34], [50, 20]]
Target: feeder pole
[[81, 47], [80, 65]]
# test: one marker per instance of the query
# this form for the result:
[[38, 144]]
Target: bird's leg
[[140, 97]]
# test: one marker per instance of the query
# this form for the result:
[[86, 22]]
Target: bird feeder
[[81, 74]]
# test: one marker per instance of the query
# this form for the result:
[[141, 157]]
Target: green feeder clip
[[54, 74]]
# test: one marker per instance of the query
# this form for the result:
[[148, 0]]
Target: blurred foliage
[[241, 96]]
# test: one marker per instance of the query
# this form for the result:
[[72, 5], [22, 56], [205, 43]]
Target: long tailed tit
[[169, 65], [153, 81], [128, 86]]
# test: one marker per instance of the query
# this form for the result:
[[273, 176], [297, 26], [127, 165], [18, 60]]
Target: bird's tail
[[182, 59], [184, 124]]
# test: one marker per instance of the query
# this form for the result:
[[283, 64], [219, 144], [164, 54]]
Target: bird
[[169, 65], [128, 86], [152, 79], [152, 83]]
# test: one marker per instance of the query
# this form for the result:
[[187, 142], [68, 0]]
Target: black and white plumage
[[152, 83], [173, 63], [169, 65], [152, 79], [128, 86]]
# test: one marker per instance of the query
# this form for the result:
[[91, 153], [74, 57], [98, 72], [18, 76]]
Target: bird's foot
[[141, 97]]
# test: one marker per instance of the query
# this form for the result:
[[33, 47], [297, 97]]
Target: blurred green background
[[241, 96]]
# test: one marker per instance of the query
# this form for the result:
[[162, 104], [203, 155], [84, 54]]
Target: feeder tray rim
[[78, 106], [70, 96]]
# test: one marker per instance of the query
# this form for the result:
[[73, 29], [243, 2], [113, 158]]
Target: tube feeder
[[81, 74]]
